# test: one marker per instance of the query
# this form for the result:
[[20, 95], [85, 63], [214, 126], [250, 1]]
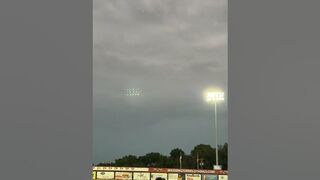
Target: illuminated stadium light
[[133, 92], [215, 96]]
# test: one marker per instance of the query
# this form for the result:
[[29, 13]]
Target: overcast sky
[[172, 50]]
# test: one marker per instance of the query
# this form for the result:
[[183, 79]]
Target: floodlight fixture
[[214, 96]]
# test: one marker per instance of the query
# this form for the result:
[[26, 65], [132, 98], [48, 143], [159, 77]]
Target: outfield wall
[[141, 173]]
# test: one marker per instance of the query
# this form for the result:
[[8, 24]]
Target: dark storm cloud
[[172, 50]]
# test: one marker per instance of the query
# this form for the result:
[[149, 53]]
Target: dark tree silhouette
[[155, 159]]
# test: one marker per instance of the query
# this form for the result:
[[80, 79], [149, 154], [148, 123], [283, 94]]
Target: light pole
[[180, 160], [214, 97]]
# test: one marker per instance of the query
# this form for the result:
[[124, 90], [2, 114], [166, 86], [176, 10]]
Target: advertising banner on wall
[[175, 176], [190, 171], [193, 176], [223, 177], [154, 176], [105, 175], [141, 176], [123, 175], [209, 177], [160, 170]]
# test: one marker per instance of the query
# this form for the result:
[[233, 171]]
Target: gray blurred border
[[274, 71], [45, 101], [46, 89]]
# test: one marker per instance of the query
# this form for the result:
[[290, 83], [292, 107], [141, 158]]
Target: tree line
[[201, 156]]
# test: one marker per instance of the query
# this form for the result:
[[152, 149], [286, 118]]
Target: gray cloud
[[172, 50]]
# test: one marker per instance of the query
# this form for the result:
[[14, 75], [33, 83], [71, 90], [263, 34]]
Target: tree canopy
[[155, 159]]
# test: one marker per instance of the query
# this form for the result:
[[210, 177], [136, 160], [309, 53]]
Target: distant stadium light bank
[[145, 173]]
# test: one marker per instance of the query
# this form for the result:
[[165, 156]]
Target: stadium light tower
[[213, 96]]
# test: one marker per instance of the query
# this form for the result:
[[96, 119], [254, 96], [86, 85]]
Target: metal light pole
[[214, 96], [216, 130], [180, 160], [197, 160]]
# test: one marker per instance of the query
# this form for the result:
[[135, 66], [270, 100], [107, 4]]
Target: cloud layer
[[172, 51]]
